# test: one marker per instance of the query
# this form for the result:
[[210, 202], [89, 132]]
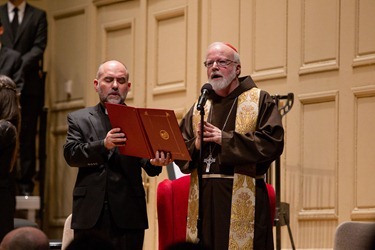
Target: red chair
[[172, 203], [272, 199]]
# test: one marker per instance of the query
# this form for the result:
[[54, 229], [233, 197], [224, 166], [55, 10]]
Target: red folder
[[147, 131]]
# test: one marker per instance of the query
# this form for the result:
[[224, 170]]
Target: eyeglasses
[[219, 63]]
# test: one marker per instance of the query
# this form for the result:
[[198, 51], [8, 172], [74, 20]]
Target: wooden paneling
[[68, 70], [172, 54], [319, 121], [269, 38], [320, 35], [364, 137], [365, 34], [68, 73], [168, 52]]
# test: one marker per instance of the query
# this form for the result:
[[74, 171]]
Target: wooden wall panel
[[169, 53], [363, 171], [223, 21], [317, 215], [319, 151], [315, 234], [365, 34], [364, 150], [270, 39], [172, 56], [68, 70], [320, 35]]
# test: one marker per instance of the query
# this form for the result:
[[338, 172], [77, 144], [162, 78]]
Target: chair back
[[68, 233], [272, 200], [172, 204], [355, 235]]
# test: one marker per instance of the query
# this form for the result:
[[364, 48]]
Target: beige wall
[[321, 50]]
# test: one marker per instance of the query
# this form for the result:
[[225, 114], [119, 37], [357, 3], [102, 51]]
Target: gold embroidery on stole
[[243, 196], [241, 233]]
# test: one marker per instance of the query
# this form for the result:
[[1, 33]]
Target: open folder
[[147, 131]]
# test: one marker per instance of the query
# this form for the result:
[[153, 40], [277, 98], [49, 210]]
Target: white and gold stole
[[241, 233]]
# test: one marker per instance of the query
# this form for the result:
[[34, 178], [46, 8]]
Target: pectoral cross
[[209, 160]]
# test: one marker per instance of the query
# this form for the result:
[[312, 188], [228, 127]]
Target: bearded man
[[108, 196], [242, 136]]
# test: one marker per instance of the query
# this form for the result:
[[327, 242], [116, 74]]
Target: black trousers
[[107, 231], [31, 107]]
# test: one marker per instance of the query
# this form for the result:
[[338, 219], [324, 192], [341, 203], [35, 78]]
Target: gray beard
[[225, 82]]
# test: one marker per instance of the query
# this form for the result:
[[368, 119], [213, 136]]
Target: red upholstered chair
[[272, 199], [172, 203]]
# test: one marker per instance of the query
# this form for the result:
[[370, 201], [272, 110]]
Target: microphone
[[205, 92]]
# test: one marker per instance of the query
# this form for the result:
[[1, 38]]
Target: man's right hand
[[114, 138]]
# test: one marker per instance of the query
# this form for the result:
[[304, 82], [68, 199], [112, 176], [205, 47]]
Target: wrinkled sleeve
[[150, 169], [78, 151], [258, 148], [39, 43], [18, 75]]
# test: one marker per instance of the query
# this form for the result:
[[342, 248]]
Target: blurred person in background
[[10, 63], [25, 30], [25, 238], [9, 124]]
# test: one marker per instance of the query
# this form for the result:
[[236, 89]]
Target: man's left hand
[[161, 159]]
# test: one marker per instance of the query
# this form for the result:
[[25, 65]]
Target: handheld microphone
[[205, 92]]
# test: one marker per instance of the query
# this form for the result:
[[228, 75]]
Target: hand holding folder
[[147, 131]]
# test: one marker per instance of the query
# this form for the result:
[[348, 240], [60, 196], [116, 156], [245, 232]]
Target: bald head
[[112, 82], [111, 64], [30, 238]]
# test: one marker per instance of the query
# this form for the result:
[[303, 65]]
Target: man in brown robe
[[242, 136]]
